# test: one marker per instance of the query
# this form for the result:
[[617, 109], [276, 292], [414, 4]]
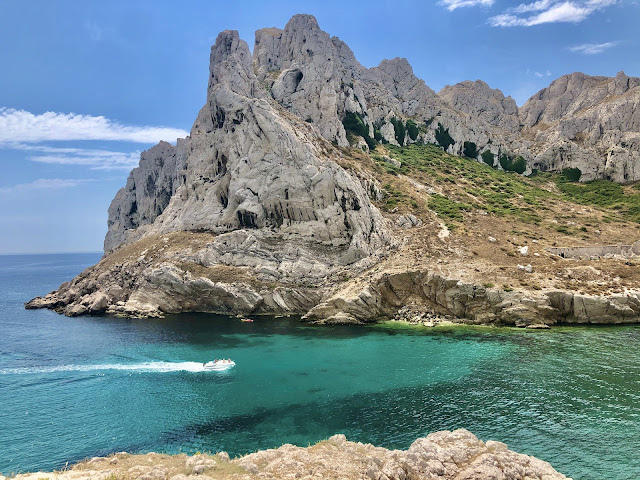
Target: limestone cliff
[[480, 100], [591, 123]]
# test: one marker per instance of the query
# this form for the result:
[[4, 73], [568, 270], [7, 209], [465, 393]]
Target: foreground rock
[[444, 455]]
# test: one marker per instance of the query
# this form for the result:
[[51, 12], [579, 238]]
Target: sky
[[85, 86]]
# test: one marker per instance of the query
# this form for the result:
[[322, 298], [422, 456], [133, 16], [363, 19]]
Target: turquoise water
[[78, 387]]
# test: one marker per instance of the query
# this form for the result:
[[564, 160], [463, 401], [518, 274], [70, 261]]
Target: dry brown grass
[[125, 468], [468, 254]]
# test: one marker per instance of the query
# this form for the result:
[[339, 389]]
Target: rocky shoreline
[[445, 455], [430, 296], [415, 296]]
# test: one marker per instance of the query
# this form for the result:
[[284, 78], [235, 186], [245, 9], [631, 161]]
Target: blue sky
[[85, 86]]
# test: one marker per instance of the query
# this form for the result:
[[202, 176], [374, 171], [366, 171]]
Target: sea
[[72, 388]]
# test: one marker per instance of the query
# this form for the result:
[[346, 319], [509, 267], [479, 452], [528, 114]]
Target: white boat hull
[[219, 366]]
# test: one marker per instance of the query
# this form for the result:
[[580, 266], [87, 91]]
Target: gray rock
[[408, 221], [198, 469], [478, 99], [590, 123]]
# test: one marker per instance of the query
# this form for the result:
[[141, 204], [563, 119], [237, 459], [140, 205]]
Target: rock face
[[318, 78], [591, 123], [480, 100], [444, 455], [579, 121], [470, 303], [245, 165]]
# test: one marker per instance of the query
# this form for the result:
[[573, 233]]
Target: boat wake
[[145, 367]]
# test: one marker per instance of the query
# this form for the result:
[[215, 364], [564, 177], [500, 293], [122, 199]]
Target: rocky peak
[[248, 166], [572, 93], [266, 51], [401, 80], [479, 99], [622, 83], [586, 122], [230, 64]]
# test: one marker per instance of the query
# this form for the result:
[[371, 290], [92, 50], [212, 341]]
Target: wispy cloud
[[453, 4], [533, 7], [101, 33], [45, 184], [540, 75], [549, 11], [94, 158], [593, 48], [20, 126]]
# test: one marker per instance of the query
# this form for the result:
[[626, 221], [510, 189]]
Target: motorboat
[[219, 365], [248, 320]]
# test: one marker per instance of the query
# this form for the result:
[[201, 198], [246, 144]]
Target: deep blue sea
[[72, 388]]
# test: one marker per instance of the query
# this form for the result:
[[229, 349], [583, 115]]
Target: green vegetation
[[443, 138], [355, 125], [412, 130], [488, 158], [377, 136], [510, 164], [470, 150], [447, 208], [572, 174], [602, 193], [494, 191], [399, 130], [468, 184], [394, 197]]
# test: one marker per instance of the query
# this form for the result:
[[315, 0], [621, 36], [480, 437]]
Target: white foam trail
[[158, 367]]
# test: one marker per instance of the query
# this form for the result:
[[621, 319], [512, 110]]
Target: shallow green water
[[80, 387]]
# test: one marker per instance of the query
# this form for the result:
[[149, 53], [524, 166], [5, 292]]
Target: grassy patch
[[495, 191], [447, 208], [604, 194]]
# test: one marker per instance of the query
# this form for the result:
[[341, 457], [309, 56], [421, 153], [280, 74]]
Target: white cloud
[[45, 184], [550, 11], [540, 75], [453, 4], [593, 48], [533, 7], [94, 158], [108, 161], [21, 126]]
